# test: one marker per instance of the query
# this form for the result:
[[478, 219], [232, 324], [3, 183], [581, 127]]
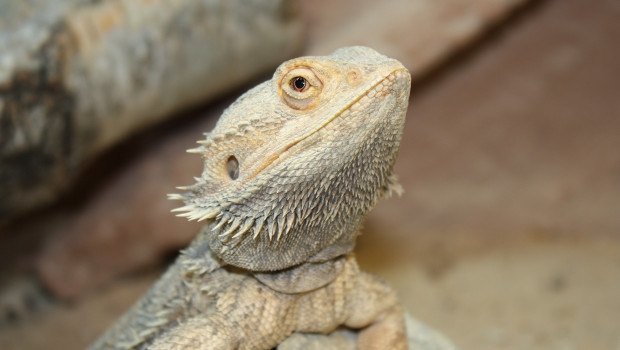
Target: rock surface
[[421, 337]]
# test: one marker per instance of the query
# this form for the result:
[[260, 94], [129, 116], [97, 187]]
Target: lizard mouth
[[381, 88]]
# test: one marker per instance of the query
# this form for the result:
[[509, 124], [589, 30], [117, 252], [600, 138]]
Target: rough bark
[[77, 76]]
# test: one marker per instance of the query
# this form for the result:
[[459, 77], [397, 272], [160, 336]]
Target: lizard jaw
[[381, 87]]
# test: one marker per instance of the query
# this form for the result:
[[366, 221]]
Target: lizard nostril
[[232, 167]]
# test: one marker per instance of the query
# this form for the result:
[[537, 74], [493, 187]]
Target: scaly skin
[[291, 170]]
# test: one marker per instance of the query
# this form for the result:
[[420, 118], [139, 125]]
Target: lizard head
[[293, 166]]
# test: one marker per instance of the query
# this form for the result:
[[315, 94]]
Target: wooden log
[[77, 77]]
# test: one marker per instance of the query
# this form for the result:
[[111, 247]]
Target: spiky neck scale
[[290, 179]]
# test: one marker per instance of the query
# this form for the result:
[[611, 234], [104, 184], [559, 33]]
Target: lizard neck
[[303, 278], [320, 270]]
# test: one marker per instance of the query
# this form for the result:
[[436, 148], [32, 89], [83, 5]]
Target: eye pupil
[[232, 167], [299, 83]]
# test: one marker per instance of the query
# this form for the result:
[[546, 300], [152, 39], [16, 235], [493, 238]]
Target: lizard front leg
[[374, 306], [356, 300], [247, 315]]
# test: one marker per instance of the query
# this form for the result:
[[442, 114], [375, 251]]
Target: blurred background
[[507, 236]]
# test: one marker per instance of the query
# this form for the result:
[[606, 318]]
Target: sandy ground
[[508, 235], [552, 295]]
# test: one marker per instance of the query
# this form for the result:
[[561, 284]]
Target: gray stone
[[421, 337]]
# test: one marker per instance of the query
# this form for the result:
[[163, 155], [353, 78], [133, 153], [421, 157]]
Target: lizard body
[[290, 171]]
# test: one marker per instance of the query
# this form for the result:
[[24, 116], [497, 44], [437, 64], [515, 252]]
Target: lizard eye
[[232, 167], [300, 87], [299, 84]]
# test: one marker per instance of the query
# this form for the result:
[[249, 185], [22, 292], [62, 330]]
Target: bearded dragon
[[291, 170]]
